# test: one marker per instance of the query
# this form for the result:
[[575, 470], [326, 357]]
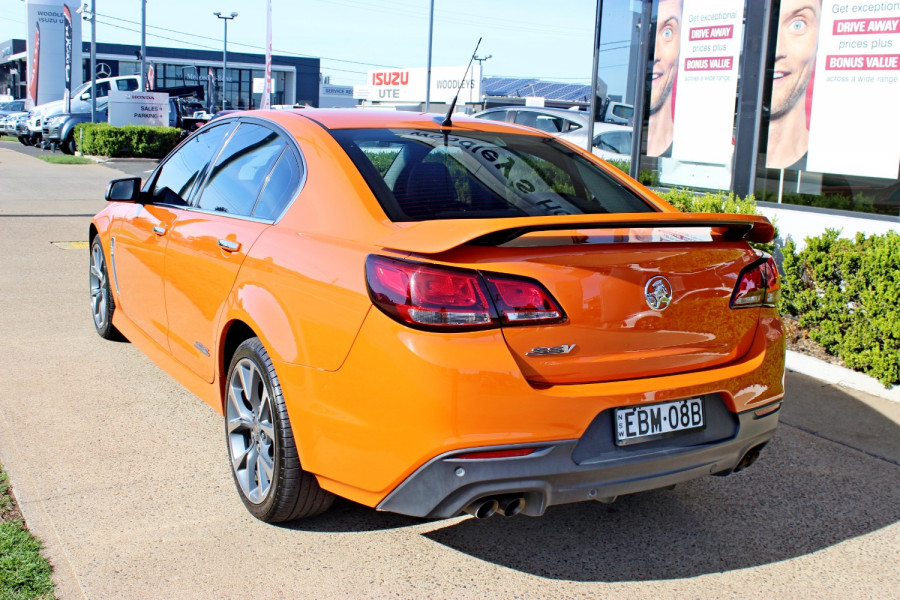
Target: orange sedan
[[435, 318]]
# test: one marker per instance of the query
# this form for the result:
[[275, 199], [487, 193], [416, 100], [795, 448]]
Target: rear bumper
[[568, 471]]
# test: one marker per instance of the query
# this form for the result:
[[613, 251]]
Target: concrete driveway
[[123, 475]]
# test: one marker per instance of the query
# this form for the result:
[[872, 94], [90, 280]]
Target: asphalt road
[[123, 475]]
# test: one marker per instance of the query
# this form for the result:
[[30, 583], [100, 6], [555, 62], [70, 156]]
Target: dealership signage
[[409, 85], [854, 120], [138, 108], [711, 36], [54, 48]]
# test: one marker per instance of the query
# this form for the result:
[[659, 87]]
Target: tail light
[[443, 298], [758, 285]]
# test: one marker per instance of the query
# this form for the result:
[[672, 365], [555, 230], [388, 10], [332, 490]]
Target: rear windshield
[[421, 175]]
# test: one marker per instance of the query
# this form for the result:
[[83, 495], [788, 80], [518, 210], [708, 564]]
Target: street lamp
[[90, 14], [225, 18]]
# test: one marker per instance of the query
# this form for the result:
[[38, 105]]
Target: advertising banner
[[67, 55], [408, 85], [54, 49], [854, 125], [707, 79], [836, 88], [138, 108]]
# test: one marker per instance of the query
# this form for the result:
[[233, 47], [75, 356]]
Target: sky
[[525, 38]]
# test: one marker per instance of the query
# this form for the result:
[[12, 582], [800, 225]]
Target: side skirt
[[208, 392]]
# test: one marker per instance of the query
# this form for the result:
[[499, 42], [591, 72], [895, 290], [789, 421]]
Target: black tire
[[290, 492], [102, 304], [25, 141], [68, 145]]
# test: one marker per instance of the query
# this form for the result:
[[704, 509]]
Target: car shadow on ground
[[345, 516], [818, 483], [812, 488]]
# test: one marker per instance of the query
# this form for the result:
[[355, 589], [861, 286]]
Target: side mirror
[[85, 96], [124, 190]]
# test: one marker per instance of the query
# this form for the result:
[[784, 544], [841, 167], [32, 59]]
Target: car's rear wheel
[[264, 459], [102, 303]]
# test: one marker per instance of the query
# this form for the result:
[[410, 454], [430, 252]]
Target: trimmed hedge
[[847, 294], [102, 139]]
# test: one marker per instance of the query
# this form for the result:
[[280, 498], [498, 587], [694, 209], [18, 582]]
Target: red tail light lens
[[758, 285], [520, 301], [443, 298], [422, 295]]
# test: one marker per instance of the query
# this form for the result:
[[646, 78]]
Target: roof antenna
[[447, 122]]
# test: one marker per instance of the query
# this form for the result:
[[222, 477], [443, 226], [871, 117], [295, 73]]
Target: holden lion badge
[[658, 293]]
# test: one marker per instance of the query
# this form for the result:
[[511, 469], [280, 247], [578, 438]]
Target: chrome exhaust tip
[[510, 506], [482, 509]]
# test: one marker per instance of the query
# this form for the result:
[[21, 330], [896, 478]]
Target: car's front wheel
[[261, 448], [102, 303], [68, 145]]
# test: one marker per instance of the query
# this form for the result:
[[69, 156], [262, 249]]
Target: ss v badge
[[550, 350]]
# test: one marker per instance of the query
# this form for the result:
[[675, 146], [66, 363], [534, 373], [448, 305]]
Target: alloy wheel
[[251, 431], [99, 297]]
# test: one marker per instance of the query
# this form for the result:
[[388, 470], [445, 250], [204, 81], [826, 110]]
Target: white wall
[[800, 222]]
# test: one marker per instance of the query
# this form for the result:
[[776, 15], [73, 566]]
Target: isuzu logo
[[658, 293]]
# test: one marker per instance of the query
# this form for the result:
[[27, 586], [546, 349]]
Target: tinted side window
[[499, 115], [127, 85], [280, 188], [102, 89], [182, 170], [626, 112], [615, 141], [238, 175]]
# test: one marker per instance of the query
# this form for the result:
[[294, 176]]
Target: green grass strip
[[64, 159], [24, 573]]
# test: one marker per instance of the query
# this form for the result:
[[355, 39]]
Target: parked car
[[619, 112], [433, 319], [21, 130], [570, 125], [15, 106], [612, 142], [60, 129], [80, 102], [8, 122]]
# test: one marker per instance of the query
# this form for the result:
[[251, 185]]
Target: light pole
[[91, 14], [143, 45], [225, 18], [428, 73]]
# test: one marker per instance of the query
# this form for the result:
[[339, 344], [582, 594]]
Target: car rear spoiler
[[434, 237]]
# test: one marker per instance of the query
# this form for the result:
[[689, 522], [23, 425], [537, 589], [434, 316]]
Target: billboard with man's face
[[836, 88]]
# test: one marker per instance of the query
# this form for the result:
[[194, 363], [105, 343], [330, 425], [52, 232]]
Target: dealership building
[[295, 79]]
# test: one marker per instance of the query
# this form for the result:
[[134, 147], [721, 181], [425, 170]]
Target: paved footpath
[[122, 474]]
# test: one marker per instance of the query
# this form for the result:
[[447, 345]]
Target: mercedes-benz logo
[[103, 70], [658, 293]]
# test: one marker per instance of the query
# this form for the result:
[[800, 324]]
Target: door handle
[[229, 246], [159, 230]]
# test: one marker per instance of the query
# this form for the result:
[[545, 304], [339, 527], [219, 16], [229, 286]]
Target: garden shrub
[[847, 294], [102, 139], [646, 176]]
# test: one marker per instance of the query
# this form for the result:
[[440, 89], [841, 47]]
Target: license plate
[[637, 424]]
